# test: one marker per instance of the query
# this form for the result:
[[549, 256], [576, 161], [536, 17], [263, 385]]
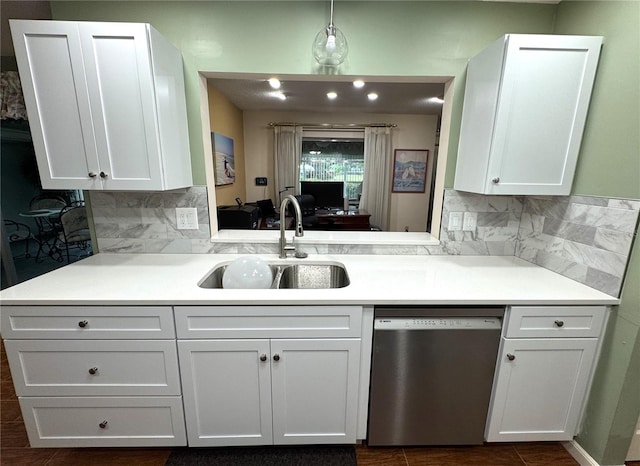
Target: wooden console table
[[341, 220]]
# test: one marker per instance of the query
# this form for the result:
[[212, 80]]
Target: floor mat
[[264, 456]]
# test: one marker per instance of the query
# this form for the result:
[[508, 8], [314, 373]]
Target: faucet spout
[[299, 231]]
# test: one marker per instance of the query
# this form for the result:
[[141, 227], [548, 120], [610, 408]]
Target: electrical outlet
[[187, 218], [455, 221], [470, 221]]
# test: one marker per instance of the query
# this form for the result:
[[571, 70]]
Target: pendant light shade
[[330, 45]]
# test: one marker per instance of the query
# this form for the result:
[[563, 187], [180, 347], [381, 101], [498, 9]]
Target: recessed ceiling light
[[332, 95], [372, 96], [274, 83], [358, 83], [435, 100]]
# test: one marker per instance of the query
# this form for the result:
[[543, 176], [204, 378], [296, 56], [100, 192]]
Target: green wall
[[437, 39], [609, 165], [385, 38]]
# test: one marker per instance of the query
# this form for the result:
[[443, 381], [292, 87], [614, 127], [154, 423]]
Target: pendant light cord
[[331, 15]]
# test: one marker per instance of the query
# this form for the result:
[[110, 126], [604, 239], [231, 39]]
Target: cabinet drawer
[[267, 321], [103, 367], [87, 322], [104, 422], [555, 321]]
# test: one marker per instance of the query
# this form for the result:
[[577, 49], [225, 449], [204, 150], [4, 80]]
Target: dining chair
[[16, 232], [75, 229], [48, 225]]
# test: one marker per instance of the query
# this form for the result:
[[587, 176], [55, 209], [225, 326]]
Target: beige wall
[[411, 209], [226, 118], [413, 132]]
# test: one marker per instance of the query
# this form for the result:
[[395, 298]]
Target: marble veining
[[585, 238]]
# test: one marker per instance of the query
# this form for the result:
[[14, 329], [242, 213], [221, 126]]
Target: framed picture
[[409, 170], [224, 163]]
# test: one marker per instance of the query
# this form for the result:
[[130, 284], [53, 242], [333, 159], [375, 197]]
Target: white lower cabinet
[[103, 421], [260, 391], [80, 383], [541, 383]]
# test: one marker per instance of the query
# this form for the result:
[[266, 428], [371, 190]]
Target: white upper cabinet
[[525, 106], [106, 105]]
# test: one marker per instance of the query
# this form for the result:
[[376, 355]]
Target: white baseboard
[[580, 454]]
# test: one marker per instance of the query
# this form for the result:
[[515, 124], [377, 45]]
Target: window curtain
[[376, 185], [11, 99], [287, 153]]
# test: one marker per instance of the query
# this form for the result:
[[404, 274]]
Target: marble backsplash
[[584, 238], [145, 222]]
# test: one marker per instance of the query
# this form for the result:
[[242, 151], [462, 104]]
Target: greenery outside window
[[334, 160]]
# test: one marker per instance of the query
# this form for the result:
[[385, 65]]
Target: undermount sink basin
[[308, 275], [311, 276]]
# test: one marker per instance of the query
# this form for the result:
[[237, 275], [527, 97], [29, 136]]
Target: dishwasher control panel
[[437, 323]]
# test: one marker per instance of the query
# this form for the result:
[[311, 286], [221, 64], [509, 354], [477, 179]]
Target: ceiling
[[399, 97]]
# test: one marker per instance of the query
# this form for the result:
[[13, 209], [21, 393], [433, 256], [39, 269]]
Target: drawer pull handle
[[276, 357], [92, 174], [510, 356], [103, 424], [103, 175], [83, 323], [93, 370], [559, 323], [263, 357]]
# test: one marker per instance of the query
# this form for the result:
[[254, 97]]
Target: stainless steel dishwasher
[[432, 373]]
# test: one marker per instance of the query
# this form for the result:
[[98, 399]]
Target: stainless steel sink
[[308, 275]]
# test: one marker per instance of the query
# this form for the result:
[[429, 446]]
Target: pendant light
[[330, 45]]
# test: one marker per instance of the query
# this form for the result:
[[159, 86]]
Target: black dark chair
[[48, 225], [308, 208], [74, 230], [17, 232]]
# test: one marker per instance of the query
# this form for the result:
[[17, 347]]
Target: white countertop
[[155, 279]]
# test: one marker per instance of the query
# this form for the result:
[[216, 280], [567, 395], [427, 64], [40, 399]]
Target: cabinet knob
[[83, 323], [92, 174], [510, 356], [103, 175], [263, 357], [103, 424], [93, 370], [276, 357], [496, 180], [559, 323]]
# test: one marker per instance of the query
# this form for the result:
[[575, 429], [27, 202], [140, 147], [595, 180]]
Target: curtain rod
[[336, 126]]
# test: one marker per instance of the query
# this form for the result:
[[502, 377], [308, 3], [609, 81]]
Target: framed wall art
[[224, 163], [409, 170]]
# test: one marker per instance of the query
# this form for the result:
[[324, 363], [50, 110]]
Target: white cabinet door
[[51, 67], [540, 388], [525, 107], [121, 91], [227, 391], [315, 390], [106, 105]]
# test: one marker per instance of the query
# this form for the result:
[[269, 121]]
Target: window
[[334, 160]]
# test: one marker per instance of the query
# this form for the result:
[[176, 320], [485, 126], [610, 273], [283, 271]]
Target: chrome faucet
[[284, 247]]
